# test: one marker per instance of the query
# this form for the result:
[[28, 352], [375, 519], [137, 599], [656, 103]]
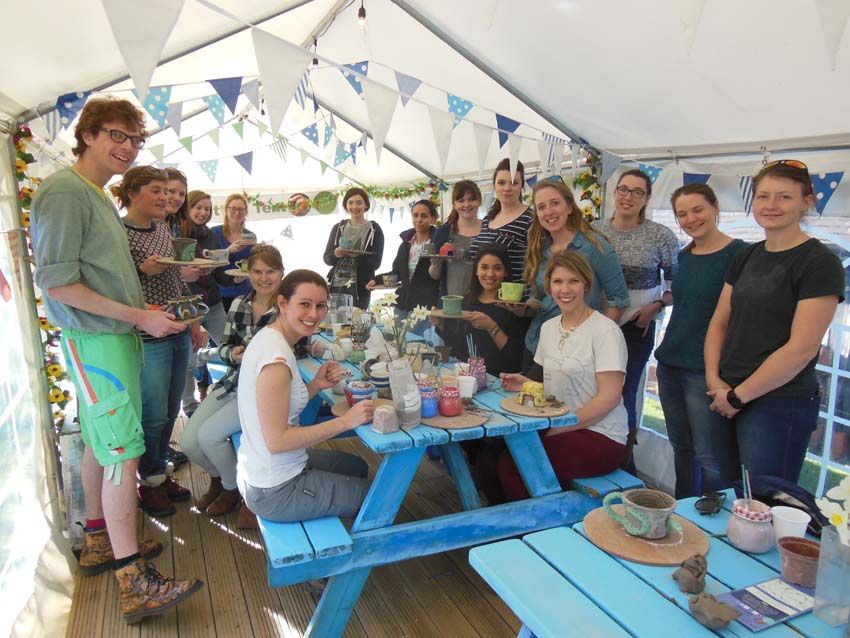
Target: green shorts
[[106, 371]]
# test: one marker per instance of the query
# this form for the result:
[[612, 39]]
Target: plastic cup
[[789, 521], [467, 386]]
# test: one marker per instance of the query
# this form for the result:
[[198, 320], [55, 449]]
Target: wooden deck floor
[[439, 595]]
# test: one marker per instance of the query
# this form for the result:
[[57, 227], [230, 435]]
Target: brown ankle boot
[[224, 504], [213, 491], [246, 519], [146, 592], [97, 556]]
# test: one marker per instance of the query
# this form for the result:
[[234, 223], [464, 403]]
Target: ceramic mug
[[356, 391], [452, 305], [648, 512], [183, 248], [429, 249], [389, 280], [248, 239], [242, 265], [345, 243], [511, 291], [218, 255]]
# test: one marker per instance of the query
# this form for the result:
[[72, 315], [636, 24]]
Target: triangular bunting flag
[[544, 147], [458, 106], [824, 186], [652, 171], [442, 124], [323, 166], [514, 144], [158, 151], [355, 80], [251, 90], [380, 105], [52, 123], [187, 143], [216, 106], [210, 167], [141, 41], [352, 150], [239, 127], [279, 148], [745, 185], [304, 155], [833, 18], [553, 156], [690, 15], [694, 178], [261, 128], [287, 232], [610, 162], [214, 135], [228, 90], [301, 91], [245, 160], [505, 125], [575, 154], [174, 117], [281, 65], [311, 133], [69, 105], [392, 210], [364, 138], [531, 181], [342, 154], [483, 137], [156, 103], [407, 86], [329, 131]]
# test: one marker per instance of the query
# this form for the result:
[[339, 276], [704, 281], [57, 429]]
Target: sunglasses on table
[[710, 503], [119, 136], [787, 162]]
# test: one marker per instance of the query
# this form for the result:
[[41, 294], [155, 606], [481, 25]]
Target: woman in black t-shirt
[[763, 341]]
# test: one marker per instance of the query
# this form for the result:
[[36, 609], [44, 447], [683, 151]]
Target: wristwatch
[[733, 400], [496, 330]]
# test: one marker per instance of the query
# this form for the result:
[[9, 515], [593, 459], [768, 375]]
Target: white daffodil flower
[[840, 492], [419, 313], [837, 516]]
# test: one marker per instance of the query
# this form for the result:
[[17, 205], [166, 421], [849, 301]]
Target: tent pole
[[47, 107], [489, 71]]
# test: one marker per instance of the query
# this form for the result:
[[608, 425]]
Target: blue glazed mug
[[647, 512]]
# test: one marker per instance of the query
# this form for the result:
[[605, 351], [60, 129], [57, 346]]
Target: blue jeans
[[774, 432], [639, 347], [163, 378], [705, 450]]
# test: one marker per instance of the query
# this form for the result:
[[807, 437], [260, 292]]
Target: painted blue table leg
[[311, 411], [379, 510], [525, 632], [455, 461], [532, 463]]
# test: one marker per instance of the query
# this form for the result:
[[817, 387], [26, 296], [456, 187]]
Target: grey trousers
[[214, 325], [333, 484], [206, 437]]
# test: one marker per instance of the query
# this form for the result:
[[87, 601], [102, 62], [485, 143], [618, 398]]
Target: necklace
[[566, 333]]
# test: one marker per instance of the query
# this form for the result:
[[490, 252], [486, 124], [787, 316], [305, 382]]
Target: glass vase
[[832, 591], [406, 400]]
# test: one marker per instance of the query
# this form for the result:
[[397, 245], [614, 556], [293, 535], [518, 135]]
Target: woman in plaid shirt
[[206, 438]]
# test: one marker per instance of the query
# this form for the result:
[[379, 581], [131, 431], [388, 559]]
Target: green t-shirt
[[78, 237]]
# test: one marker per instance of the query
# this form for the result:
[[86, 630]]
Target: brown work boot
[[97, 556], [246, 519], [224, 504], [146, 592], [213, 491]]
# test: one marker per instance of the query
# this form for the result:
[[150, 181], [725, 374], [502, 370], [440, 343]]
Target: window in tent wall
[[828, 458]]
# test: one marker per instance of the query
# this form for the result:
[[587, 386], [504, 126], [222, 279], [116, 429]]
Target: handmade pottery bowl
[[188, 307]]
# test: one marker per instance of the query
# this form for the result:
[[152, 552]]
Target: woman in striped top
[[508, 221]]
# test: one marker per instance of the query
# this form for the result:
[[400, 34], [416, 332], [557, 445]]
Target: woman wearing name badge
[[560, 225], [142, 192], [238, 240], [280, 476], [508, 220], [581, 359], [763, 341], [703, 441], [351, 269], [459, 230], [410, 267], [647, 252], [206, 437]]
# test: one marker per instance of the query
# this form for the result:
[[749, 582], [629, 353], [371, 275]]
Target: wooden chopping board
[[510, 404], [609, 535]]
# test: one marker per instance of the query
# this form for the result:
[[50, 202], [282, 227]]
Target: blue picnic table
[[560, 584], [325, 548]]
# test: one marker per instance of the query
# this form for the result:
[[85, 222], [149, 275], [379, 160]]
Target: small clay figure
[[385, 420], [691, 575], [710, 612]]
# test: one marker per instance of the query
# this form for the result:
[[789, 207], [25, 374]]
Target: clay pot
[[799, 560]]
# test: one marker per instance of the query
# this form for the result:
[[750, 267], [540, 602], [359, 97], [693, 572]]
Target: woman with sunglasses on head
[[238, 240], [460, 230], [763, 341], [560, 225], [206, 438], [703, 441], [647, 252], [508, 220], [355, 249], [279, 474]]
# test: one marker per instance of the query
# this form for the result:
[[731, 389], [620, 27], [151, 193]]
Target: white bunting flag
[[514, 144], [174, 118], [442, 124], [281, 65], [380, 104], [833, 18], [251, 90], [483, 138]]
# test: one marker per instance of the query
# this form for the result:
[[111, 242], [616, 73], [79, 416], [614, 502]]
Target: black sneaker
[[176, 456]]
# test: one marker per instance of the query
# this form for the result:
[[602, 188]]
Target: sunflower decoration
[[55, 371], [25, 219], [20, 169], [25, 196], [58, 396], [45, 325]]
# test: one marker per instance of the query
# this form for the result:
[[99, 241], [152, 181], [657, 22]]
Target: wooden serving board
[[439, 314], [465, 419], [341, 407], [191, 320], [607, 534], [198, 262], [510, 404], [235, 272]]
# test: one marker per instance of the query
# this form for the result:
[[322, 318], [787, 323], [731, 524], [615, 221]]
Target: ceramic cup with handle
[[183, 248], [647, 512], [452, 305], [511, 291], [242, 265], [218, 255]]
